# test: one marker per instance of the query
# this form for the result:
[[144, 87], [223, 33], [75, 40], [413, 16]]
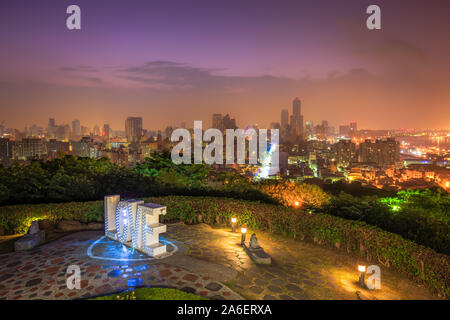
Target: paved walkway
[[299, 270], [205, 261], [40, 273]]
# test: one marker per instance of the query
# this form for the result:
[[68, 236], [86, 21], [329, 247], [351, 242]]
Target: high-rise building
[[309, 128], [6, 149], [29, 148], [51, 128], [297, 118], [353, 128], [76, 129], [228, 122], [217, 121], [82, 148], [96, 130], [284, 119], [106, 131], [380, 152], [275, 125], [344, 153], [168, 132], [133, 129], [296, 107], [344, 130], [62, 132]]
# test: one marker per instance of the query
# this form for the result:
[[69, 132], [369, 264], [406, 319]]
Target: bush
[[17, 218], [412, 223], [292, 194], [422, 264]]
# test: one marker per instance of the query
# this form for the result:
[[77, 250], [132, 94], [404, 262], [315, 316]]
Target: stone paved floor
[[210, 262], [41, 273], [299, 270]]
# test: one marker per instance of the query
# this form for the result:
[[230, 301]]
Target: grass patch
[[152, 294]]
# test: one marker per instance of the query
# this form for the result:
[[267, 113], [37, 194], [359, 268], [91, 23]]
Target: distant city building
[[275, 125], [284, 130], [168, 132], [29, 148], [309, 128], [133, 129], [229, 123], [297, 118], [51, 128], [96, 130], [82, 148], [344, 130], [62, 132], [76, 129], [55, 148], [380, 152], [217, 122], [345, 153], [6, 149], [296, 108], [223, 123], [353, 128], [106, 131]]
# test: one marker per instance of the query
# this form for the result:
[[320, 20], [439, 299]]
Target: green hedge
[[17, 218], [357, 238]]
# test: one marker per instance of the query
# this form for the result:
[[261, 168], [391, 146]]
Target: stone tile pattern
[[285, 279], [40, 273]]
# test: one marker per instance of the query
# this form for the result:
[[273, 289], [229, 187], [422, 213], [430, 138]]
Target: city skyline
[[133, 61]]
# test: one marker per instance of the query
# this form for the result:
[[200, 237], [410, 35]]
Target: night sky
[[173, 61]]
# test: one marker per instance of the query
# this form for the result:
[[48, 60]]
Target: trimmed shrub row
[[419, 263]]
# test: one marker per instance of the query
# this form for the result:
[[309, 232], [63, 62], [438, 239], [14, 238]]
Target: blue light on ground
[[115, 273], [134, 282], [141, 267]]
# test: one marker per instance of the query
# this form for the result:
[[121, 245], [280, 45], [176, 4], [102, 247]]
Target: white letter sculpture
[[135, 224]]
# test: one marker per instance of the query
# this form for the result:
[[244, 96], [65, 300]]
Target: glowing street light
[[296, 203], [233, 224], [362, 272], [243, 232]]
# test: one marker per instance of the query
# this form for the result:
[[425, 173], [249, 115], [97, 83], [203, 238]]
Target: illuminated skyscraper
[[133, 129]]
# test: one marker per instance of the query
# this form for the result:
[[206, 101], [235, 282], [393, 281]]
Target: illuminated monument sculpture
[[135, 224]]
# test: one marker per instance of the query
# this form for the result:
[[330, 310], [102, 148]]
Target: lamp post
[[362, 272], [243, 232], [233, 225]]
